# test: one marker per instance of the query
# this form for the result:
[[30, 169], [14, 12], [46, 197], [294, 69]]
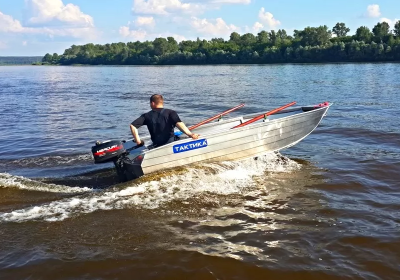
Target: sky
[[37, 27]]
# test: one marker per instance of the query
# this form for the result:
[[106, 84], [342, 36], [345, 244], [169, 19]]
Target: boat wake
[[22, 183], [156, 190], [47, 161]]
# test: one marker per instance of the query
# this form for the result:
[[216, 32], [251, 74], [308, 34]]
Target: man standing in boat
[[160, 123]]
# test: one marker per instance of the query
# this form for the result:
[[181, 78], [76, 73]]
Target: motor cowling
[[108, 151]]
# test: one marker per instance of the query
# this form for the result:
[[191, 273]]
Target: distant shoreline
[[192, 65], [19, 60], [222, 64]]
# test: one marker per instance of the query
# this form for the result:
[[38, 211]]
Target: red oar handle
[[264, 115], [216, 117]]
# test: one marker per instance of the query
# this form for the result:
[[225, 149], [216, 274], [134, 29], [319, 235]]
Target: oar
[[211, 119], [265, 115]]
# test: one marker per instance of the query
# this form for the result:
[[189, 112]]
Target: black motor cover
[[107, 151]]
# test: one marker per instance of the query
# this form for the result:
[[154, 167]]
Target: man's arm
[[182, 127], [134, 126], [135, 134]]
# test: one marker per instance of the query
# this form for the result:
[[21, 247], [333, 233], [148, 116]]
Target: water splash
[[221, 179]]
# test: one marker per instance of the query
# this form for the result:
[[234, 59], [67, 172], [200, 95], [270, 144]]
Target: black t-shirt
[[160, 122]]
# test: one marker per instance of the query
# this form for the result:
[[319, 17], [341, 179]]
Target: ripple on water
[[332, 215]]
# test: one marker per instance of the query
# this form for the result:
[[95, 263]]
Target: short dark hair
[[157, 98]]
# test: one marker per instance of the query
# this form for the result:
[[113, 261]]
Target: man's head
[[156, 101]]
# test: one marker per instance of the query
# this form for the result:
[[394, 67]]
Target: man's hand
[[182, 127], [194, 136], [141, 143]]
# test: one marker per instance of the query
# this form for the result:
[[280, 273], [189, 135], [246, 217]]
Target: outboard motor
[[108, 151], [128, 166]]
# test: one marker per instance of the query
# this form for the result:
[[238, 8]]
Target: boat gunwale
[[255, 125], [291, 144]]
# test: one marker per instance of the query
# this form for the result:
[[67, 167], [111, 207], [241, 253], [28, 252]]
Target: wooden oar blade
[[264, 115], [212, 118], [216, 117]]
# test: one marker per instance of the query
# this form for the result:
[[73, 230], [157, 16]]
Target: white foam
[[11, 181], [226, 178]]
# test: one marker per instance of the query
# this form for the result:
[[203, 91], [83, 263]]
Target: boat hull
[[220, 143]]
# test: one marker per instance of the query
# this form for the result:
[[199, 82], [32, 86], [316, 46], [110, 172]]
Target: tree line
[[20, 60], [312, 44]]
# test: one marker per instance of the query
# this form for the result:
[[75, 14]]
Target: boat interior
[[221, 124]]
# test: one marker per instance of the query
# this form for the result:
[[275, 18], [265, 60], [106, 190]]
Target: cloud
[[88, 33], [136, 35], [24, 43], [389, 21], [257, 27], [373, 11], [178, 20], [193, 7], [8, 24], [165, 7], [177, 37], [145, 21], [216, 27], [142, 35], [268, 19], [45, 11], [231, 1]]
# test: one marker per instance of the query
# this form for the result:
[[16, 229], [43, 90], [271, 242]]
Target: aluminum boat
[[223, 140]]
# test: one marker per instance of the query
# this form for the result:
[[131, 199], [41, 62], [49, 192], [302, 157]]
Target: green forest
[[310, 45], [20, 60]]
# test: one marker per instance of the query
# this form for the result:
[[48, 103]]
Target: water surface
[[325, 208]]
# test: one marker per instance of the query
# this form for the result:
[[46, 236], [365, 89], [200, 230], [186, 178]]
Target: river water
[[327, 208]]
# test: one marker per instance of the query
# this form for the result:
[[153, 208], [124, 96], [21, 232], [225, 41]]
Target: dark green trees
[[313, 36], [363, 34], [160, 46], [48, 58], [163, 46], [20, 60], [340, 29], [312, 44], [396, 29], [381, 30], [262, 37]]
